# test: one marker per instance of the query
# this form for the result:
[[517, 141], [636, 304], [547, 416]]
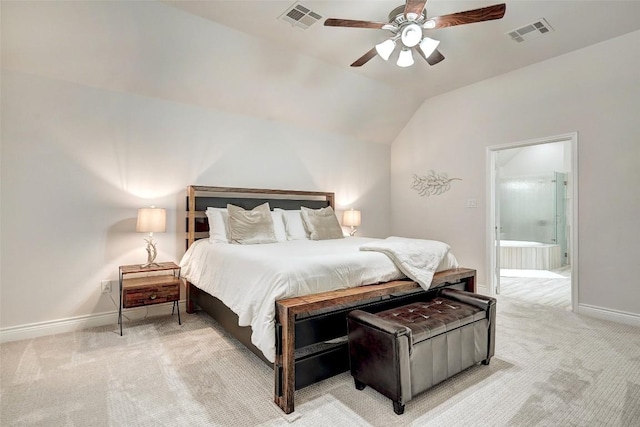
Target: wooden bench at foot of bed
[[311, 331]]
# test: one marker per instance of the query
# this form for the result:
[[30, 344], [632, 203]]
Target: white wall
[[535, 159], [593, 91], [84, 147], [153, 49]]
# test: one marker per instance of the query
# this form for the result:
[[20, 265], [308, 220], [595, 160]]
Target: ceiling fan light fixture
[[405, 59], [428, 46], [429, 25], [408, 22], [411, 35], [385, 48], [412, 16]]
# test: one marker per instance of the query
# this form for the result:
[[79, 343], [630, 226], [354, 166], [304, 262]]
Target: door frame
[[492, 212]]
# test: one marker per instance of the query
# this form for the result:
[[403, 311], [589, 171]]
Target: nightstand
[[143, 286]]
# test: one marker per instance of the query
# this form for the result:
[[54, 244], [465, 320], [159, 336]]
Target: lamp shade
[[405, 59], [385, 48], [428, 45], [351, 218], [151, 220]]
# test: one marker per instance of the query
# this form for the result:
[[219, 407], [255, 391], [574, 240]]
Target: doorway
[[531, 233]]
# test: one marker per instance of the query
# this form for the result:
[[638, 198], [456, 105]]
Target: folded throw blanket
[[418, 259]]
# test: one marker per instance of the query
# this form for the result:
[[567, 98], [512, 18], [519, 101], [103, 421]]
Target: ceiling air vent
[[530, 31], [300, 16]]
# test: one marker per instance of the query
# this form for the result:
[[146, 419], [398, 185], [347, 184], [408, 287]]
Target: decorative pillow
[[293, 225], [322, 223], [251, 227], [278, 225], [218, 225]]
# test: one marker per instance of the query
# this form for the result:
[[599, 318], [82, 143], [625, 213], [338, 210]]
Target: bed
[[297, 325]]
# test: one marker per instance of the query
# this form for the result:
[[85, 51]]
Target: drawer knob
[[154, 296]]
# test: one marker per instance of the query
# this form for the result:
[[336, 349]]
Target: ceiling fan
[[407, 23]]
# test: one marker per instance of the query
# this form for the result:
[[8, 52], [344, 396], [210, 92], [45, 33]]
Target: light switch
[[472, 203]]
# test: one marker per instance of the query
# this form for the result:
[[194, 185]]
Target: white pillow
[[293, 225], [278, 225], [218, 225]]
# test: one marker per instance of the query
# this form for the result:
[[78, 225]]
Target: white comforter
[[250, 278], [417, 258]]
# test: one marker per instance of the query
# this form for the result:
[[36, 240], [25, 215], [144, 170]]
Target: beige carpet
[[538, 286], [552, 368]]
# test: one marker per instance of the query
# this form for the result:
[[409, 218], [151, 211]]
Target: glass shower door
[[528, 208]]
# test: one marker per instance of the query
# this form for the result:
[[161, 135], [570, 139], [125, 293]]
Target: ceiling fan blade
[[469, 17], [414, 6], [365, 58], [333, 22], [435, 57], [432, 59]]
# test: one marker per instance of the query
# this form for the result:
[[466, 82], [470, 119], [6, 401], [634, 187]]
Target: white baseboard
[[609, 314], [34, 330]]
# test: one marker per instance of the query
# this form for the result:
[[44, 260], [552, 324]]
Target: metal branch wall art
[[432, 183]]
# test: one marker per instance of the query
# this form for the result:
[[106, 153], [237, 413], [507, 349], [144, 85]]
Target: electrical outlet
[[105, 286]]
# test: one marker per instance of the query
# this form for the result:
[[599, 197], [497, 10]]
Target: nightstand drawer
[[150, 290]]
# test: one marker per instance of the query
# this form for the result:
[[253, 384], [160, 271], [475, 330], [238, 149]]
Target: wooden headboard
[[200, 197]]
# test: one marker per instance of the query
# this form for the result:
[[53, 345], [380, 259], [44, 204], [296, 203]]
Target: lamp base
[[353, 231], [150, 264], [151, 254]]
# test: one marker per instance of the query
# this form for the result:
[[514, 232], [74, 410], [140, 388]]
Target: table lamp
[[151, 220], [351, 219]]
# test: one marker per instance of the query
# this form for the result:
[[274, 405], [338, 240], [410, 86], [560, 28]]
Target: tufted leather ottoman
[[406, 350]]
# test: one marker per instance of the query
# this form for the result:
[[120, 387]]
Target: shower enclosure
[[533, 231]]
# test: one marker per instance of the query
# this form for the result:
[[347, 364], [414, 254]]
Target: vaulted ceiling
[[473, 52], [238, 58]]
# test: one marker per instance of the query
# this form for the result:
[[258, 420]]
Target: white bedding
[[250, 278], [417, 258]]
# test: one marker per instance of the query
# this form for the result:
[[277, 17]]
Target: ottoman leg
[[359, 385], [398, 408]]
